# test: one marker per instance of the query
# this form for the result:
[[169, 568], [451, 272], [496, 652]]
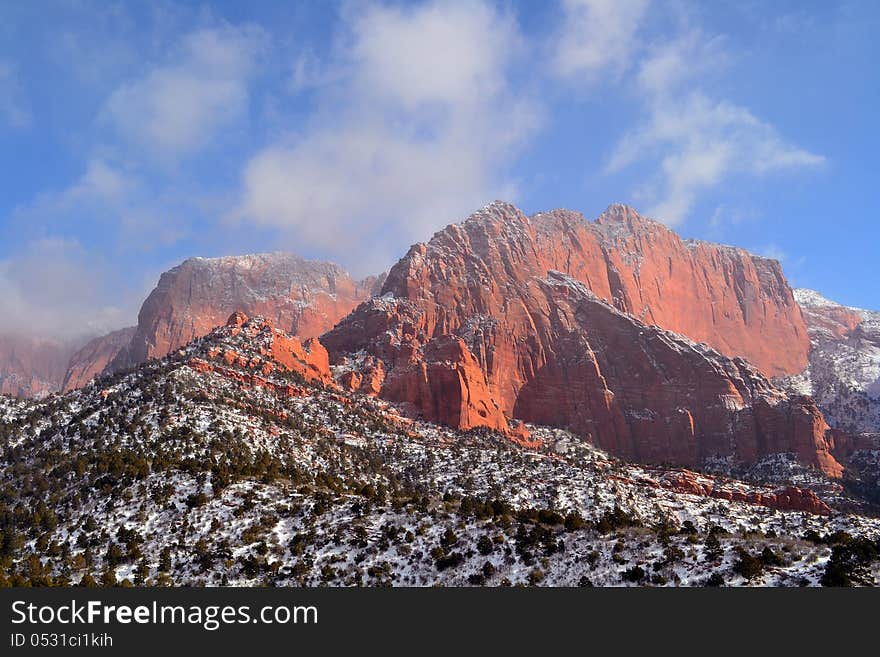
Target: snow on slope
[[172, 475], [844, 370], [12, 408]]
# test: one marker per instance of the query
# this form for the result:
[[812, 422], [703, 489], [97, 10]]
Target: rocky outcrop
[[844, 371], [246, 379], [301, 297], [253, 353], [90, 360], [559, 315], [365, 375], [445, 384], [256, 344], [786, 498]]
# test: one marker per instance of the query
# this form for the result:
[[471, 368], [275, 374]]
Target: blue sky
[[134, 135]]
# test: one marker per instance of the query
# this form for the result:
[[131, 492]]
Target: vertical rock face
[[31, 366], [844, 370], [446, 385], [738, 303], [301, 297], [90, 360], [557, 313]]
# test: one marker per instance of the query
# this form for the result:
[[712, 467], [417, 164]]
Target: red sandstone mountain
[[91, 359], [301, 297], [541, 319], [734, 301]]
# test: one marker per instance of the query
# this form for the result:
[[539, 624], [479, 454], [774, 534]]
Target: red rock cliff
[[90, 360], [738, 303], [552, 352], [301, 297]]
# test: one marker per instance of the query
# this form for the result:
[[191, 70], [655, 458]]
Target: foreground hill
[[237, 459]]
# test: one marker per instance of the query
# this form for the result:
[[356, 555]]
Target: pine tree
[[142, 573], [713, 549], [165, 560], [88, 581], [108, 578]]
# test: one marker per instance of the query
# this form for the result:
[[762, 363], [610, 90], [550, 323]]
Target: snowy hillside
[[184, 473], [844, 371], [12, 408]]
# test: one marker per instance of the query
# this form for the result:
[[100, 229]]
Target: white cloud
[[597, 36], [117, 203], [441, 53], [174, 109], [337, 187], [103, 186], [101, 181], [672, 63], [695, 142], [13, 108], [418, 125], [54, 287]]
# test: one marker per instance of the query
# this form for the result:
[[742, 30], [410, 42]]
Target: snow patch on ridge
[[844, 371]]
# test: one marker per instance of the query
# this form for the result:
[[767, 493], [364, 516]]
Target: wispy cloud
[[175, 108], [686, 57], [699, 143], [102, 182], [696, 142], [597, 36], [114, 200]]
